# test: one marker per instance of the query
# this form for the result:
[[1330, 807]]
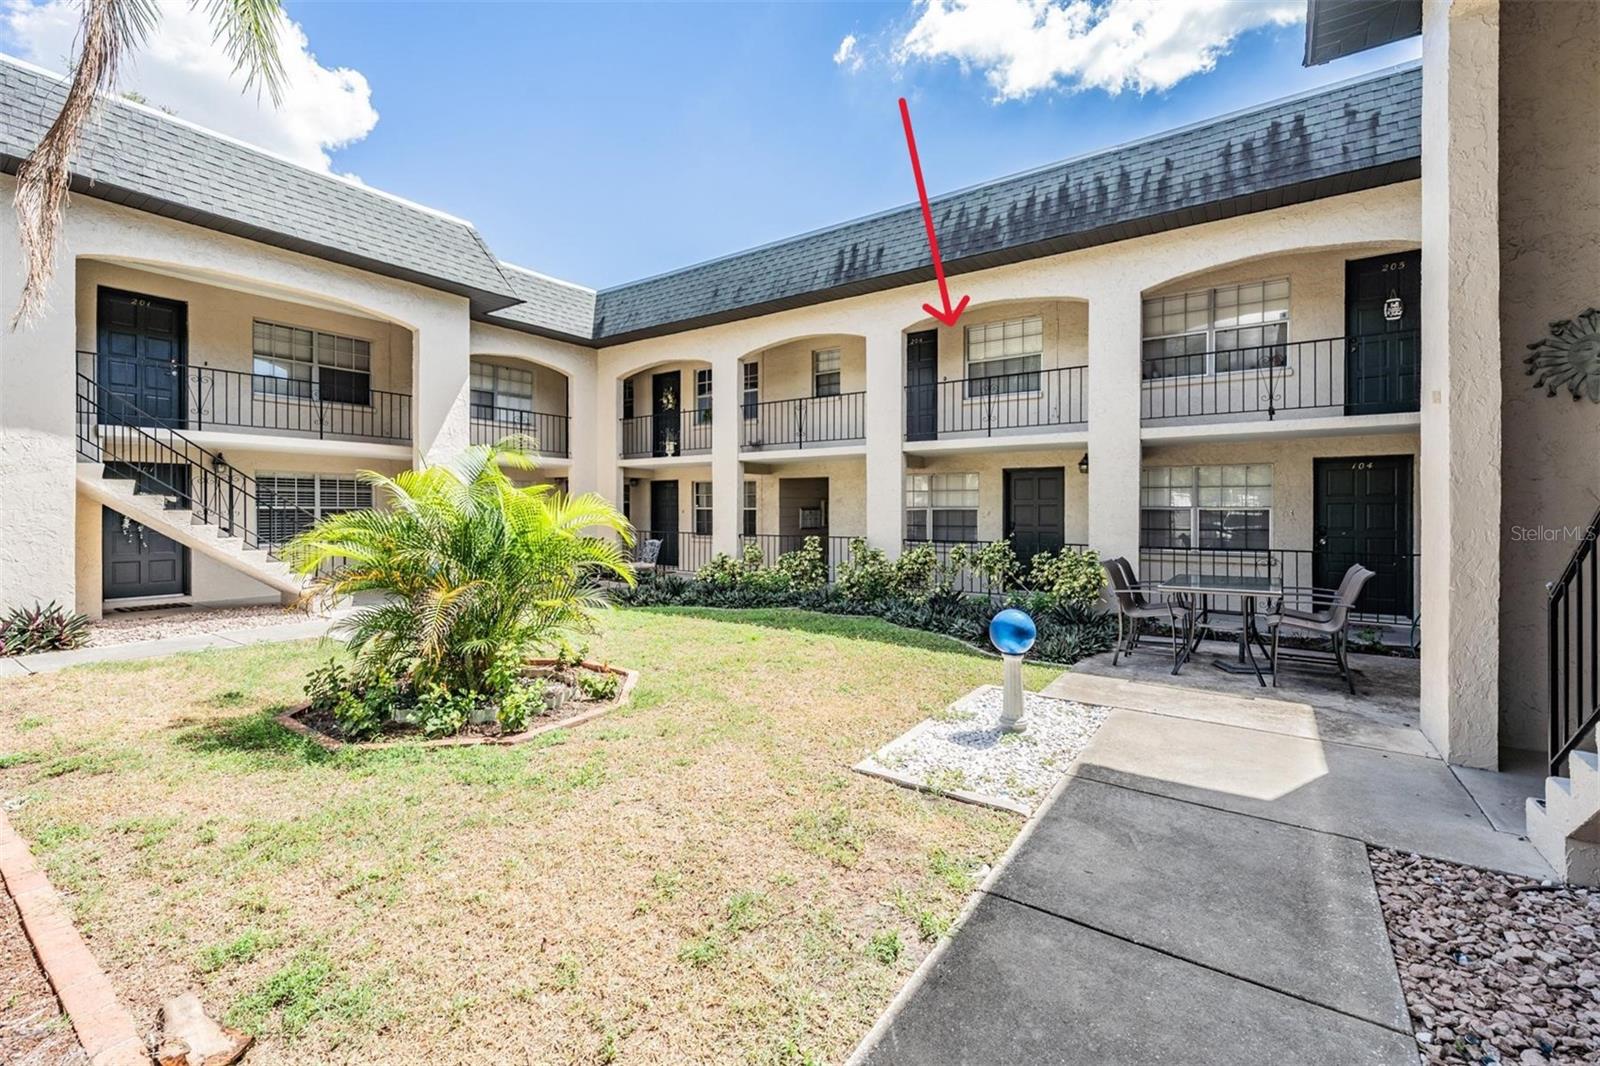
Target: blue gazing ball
[[1012, 632]]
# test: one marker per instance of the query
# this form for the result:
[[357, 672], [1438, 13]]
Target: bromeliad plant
[[475, 572]]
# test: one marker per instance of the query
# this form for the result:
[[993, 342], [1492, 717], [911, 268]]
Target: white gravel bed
[[188, 622], [1496, 969], [963, 752]]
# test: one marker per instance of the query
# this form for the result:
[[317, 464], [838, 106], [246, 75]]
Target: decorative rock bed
[[569, 710], [1495, 968], [964, 754]]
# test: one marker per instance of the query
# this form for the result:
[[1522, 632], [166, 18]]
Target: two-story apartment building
[[1272, 339]]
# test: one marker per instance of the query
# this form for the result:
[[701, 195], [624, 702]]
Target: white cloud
[[1025, 46], [846, 56], [182, 70]]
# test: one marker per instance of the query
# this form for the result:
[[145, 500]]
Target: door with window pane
[[1383, 351]]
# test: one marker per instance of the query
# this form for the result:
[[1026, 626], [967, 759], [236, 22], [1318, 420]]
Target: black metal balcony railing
[[213, 398], [1377, 374], [666, 435], [1389, 598], [491, 425], [681, 551], [1573, 621], [811, 421], [1001, 403], [835, 549]]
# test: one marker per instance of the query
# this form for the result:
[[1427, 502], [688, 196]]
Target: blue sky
[[603, 142]]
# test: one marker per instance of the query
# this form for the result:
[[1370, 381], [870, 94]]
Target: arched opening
[[515, 396], [803, 393]]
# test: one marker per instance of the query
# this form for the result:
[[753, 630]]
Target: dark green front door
[[922, 388], [1036, 511], [664, 520], [1383, 346], [666, 405], [139, 359], [135, 560], [1363, 508]]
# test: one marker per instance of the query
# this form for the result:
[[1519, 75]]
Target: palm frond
[[248, 32]]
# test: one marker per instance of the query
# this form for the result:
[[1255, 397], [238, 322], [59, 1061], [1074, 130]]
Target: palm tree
[[109, 32], [472, 568]]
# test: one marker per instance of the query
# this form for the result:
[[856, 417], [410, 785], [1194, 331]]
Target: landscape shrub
[[917, 592], [51, 627]]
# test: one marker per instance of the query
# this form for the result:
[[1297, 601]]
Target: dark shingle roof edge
[[1339, 28], [142, 158], [560, 310], [1351, 135]]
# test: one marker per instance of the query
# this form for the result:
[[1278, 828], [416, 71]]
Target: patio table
[[1247, 589]]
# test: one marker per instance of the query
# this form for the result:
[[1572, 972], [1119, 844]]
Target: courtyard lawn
[[695, 877]]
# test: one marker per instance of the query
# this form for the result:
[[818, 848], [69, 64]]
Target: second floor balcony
[[806, 422], [550, 433], [666, 435], [1337, 376], [1015, 404], [201, 398]]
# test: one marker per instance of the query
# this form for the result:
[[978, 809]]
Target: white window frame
[[1005, 340], [289, 349], [1201, 489], [494, 373], [699, 506], [751, 380], [702, 395], [320, 494], [929, 493], [750, 510], [827, 363], [1214, 325]]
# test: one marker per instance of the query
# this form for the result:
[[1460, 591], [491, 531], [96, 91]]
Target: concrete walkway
[[51, 661], [1198, 891]]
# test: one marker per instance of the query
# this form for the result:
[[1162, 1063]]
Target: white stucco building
[[1292, 335]]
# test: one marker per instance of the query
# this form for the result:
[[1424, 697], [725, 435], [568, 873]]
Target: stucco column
[[441, 376], [583, 408], [886, 422], [1461, 380], [1113, 409], [38, 447], [726, 469]]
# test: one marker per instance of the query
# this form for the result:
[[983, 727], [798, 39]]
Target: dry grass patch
[[697, 877]]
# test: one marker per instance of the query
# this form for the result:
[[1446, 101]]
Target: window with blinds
[[1233, 327], [1005, 357], [942, 507], [501, 393], [310, 365], [290, 504]]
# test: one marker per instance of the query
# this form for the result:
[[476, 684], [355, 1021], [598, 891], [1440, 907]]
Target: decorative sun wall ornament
[[1570, 356]]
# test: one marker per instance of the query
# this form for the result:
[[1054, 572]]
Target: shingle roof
[[1338, 28], [554, 308], [1338, 139], [134, 156]]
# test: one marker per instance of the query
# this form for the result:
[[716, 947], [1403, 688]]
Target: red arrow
[[948, 315]]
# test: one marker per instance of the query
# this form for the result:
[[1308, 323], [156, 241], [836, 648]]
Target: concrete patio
[[1197, 890]]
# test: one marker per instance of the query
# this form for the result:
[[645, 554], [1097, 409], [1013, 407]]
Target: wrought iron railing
[[490, 425], [811, 421], [681, 551], [1573, 628], [114, 431], [1000, 403], [1389, 597], [214, 398], [666, 435], [1375, 374], [773, 546]]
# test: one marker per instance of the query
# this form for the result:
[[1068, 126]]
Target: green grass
[[698, 869]]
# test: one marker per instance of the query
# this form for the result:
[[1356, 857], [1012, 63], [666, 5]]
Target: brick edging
[[106, 1031]]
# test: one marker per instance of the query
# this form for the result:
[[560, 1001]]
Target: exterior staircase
[[141, 467], [1565, 825]]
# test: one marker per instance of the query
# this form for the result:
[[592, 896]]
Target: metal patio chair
[[1328, 616], [647, 557], [1134, 607]]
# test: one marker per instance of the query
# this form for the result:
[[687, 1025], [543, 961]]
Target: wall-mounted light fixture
[[1083, 464]]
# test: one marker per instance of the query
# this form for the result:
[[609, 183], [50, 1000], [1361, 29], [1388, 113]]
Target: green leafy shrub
[[520, 703], [325, 685], [470, 567], [362, 716], [806, 568], [442, 713], [51, 627], [723, 571], [995, 563], [599, 686], [1069, 576], [866, 575]]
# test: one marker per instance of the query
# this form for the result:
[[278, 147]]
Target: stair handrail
[[1573, 649], [233, 489]]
